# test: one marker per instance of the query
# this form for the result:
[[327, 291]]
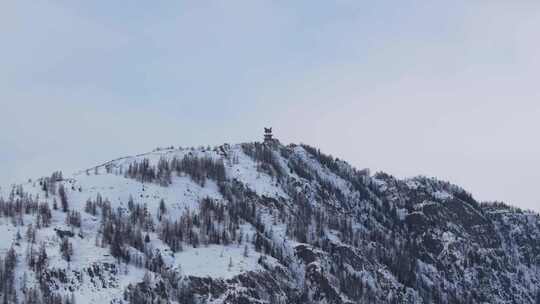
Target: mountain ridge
[[262, 223]]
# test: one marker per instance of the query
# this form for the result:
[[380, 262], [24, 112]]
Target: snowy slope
[[253, 223]]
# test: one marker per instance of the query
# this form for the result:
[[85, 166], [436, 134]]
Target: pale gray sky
[[445, 89]]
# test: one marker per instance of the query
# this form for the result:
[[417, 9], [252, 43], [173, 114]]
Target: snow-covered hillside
[[259, 223]]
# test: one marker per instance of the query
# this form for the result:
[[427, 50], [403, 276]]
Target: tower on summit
[[268, 137]]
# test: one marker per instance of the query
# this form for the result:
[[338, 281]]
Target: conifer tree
[[63, 198]]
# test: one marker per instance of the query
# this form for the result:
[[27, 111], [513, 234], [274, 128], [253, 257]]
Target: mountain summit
[[259, 223]]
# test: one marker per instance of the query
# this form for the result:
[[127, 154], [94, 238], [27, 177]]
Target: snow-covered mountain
[[259, 223]]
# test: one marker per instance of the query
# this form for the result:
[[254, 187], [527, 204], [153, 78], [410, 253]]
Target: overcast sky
[[440, 88]]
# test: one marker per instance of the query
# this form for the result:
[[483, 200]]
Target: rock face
[[260, 223]]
